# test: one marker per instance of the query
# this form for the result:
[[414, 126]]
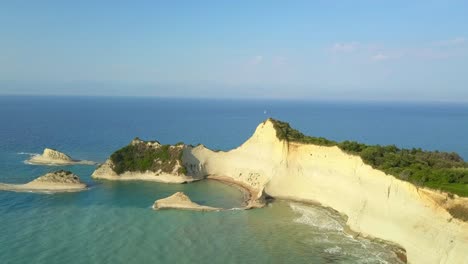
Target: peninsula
[[412, 198], [55, 158], [58, 181]]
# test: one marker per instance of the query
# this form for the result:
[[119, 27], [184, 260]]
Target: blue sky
[[332, 50]]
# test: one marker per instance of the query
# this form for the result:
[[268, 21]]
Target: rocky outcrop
[[55, 157], [181, 201], [58, 181], [162, 163]]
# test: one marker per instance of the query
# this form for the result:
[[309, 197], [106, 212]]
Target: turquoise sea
[[113, 222]]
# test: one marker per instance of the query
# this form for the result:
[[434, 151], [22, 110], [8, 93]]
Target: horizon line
[[240, 98]]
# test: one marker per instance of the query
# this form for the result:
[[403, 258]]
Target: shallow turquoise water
[[113, 222]]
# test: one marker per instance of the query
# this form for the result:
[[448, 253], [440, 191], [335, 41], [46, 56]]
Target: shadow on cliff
[[195, 168]]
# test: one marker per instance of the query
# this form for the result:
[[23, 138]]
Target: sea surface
[[113, 222]]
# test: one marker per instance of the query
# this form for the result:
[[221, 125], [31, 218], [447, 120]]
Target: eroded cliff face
[[252, 164], [55, 155], [376, 204], [51, 156]]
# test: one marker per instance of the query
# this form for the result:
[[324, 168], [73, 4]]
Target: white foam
[[333, 250], [76, 162], [28, 153], [235, 209], [316, 217]]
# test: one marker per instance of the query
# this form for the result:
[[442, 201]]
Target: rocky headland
[[379, 199]]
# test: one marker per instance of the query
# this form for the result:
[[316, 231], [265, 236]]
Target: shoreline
[[399, 250], [148, 178], [249, 201]]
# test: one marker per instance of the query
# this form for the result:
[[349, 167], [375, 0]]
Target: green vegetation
[[433, 169], [286, 132], [182, 170], [142, 157]]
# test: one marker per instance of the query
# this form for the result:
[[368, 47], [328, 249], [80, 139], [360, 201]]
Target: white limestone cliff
[[375, 204]]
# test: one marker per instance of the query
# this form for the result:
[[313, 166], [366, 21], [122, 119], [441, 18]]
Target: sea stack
[[58, 181], [181, 201], [55, 157]]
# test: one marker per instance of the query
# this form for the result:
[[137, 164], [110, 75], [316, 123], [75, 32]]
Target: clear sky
[[338, 50]]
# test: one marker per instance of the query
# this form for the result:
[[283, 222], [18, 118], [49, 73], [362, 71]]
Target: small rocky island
[[145, 160], [181, 201], [58, 181], [55, 157]]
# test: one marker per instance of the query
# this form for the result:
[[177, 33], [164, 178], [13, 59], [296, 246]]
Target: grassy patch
[[460, 189]]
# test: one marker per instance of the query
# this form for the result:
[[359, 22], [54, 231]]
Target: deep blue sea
[[113, 222]]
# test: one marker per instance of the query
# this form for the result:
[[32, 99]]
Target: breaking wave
[[317, 217], [28, 153], [327, 233]]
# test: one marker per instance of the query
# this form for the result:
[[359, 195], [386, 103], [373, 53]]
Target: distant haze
[[332, 50]]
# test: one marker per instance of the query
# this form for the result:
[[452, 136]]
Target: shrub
[[141, 158]]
